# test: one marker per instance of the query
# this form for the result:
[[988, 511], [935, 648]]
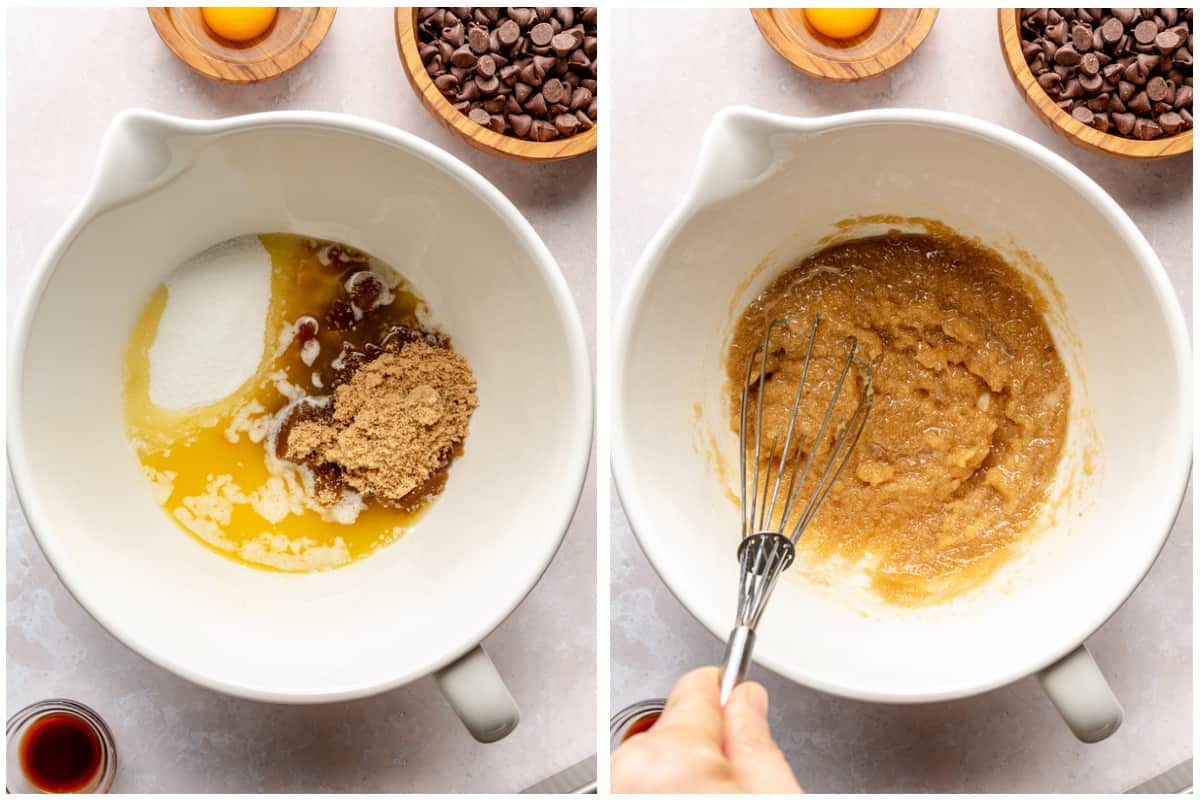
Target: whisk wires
[[761, 485]]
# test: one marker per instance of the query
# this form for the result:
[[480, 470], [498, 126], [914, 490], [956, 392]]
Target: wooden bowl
[[292, 37], [483, 138], [891, 39], [1063, 123]]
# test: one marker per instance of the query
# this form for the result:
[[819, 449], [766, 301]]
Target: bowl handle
[[1082, 696], [478, 695]]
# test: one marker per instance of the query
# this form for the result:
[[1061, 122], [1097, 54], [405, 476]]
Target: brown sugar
[[392, 429]]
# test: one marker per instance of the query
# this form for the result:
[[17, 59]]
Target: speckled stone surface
[[666, 89], [69, 71]]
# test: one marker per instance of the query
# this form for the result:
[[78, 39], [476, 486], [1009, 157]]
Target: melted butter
[[205, 466]]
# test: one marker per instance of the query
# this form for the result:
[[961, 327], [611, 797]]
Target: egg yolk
[[841, 23], [238, 24]]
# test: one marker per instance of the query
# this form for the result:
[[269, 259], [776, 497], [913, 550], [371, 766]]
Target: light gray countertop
[[672, 70], [69, 72]]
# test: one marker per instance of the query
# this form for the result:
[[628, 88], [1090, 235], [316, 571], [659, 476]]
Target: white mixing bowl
[[165, 190], [767, 189]]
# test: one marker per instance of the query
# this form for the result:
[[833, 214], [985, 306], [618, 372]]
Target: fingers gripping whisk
[[784, 487]]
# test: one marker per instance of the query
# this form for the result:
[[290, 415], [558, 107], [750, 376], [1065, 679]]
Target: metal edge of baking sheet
[[579, 778], [1176, 780]]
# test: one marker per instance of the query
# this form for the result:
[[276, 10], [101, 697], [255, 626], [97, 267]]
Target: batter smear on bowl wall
[[292, 401], [970, 411]]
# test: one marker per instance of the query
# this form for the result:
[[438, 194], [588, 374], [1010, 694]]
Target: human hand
[[698, 747]]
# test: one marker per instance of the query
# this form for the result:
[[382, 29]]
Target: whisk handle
[[737, 660]]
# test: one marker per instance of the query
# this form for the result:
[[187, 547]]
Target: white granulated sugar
[[310, 351], [210, 337]]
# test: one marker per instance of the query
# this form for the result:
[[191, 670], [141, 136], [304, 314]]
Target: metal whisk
[[769, 542]]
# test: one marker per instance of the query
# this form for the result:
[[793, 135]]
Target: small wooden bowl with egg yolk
[[253, 53], [887, 39]]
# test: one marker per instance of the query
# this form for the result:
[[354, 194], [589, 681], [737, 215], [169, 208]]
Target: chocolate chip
[[537, 105], [1145, 32], [1156, 88], [463, 57], [509, 69], [1081, 37], [1146, 129], [1126, 16], [1118, 70], [1091, 83], [554, 91], [542, 33], [1139, 103], [1066, 55], [563, 44], [1171, 122], [1167, 41], [580, 98], [521, 16], [1050, 81], [1111, 30], [469, 91], [508, 32], [455, 36], [567, 124], [477, 39], [580, 60], [543, 131], [1124, 123]]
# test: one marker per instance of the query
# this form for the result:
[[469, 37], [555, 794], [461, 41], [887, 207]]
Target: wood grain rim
[[483, 138], [229, 72], [1009, 22], [810, 63]]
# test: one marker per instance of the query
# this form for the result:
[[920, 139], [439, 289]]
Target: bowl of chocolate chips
[[1113, 80], [514, 82]]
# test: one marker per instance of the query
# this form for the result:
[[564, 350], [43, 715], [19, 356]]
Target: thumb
[[756, 759]]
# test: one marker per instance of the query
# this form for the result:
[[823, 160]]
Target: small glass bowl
[[20, 723], [625, 722]]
